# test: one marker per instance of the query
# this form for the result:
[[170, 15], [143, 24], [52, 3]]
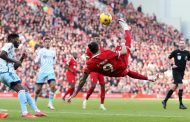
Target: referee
[[180, 56]]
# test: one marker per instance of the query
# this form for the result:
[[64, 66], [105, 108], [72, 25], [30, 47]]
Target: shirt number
[[108, 67]]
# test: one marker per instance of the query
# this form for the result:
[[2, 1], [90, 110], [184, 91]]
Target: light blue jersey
[[7, 71], [47, 59]]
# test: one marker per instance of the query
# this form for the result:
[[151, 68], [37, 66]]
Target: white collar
[[95, 55]]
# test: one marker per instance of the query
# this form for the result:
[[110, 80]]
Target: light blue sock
[[51, 96], [23, 101], [31, 102]]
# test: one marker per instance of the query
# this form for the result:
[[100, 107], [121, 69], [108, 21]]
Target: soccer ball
[[105, 18]]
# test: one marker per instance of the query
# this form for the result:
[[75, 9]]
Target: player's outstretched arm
[[81, 84]]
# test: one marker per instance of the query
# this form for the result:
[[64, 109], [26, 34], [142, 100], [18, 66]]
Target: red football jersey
[[89, 53], [72, 65], [108, 63]]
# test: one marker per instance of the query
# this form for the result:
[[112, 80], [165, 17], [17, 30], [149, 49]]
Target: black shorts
[[178, 76]]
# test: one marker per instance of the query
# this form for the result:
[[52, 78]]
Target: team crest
[[178, 57]]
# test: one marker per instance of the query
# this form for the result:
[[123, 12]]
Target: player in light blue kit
[[46, 57], [8, 65]]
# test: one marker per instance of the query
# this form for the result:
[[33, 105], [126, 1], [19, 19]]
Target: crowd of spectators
[[74, 23]]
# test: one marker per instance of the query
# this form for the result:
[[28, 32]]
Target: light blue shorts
[[41, 78], [9, 77]]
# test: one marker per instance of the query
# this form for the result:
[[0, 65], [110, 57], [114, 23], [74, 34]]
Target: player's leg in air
[[52, 85], [71, 79], [12, 81], [95, 77], [127, 38], [127, 41], [3, 115], [126, 29]]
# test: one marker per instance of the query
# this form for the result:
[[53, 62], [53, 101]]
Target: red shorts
[[71, 77], [95, 77]]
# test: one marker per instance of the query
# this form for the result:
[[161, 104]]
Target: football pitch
[[118, 110]]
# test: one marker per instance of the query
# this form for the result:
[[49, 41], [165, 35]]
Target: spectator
[[152, 41]]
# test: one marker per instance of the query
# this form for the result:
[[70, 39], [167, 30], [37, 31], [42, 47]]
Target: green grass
[[118, 110]]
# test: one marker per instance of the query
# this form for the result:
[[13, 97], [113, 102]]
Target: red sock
[[102, 95], [136, 75], [89, 92], [127, 38], [71, 92], [67, 92]]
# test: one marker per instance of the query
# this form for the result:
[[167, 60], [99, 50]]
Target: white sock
[[124, 25]]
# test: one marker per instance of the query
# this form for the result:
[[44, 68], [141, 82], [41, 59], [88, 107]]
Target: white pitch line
[[116, 114], [3, 110]]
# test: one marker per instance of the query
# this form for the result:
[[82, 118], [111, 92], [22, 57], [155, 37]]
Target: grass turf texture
[[118, 110]]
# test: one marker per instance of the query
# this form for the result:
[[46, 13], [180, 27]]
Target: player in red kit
[[111, 63], [95, 77], [71, 75]]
